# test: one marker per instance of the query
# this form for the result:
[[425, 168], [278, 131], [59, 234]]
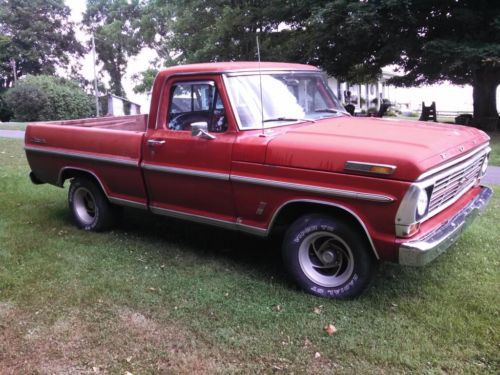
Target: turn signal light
[[412, 229], [358, 166], [381, 169]]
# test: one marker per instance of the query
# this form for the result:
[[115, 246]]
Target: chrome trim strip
[[271, 183], [186, 172], [276, 213], [451, 163], [420, 251], [314, 189], [128, 203], [232, 103], [359, 166], [233, 72], [210, 221], [240, 72], [78, 155], [196, 82]]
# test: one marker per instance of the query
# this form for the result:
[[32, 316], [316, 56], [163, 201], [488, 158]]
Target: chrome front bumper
[[425, 249]]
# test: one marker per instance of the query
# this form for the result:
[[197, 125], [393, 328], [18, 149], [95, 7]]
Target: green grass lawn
[[13, 125], [156, 295], [495, 148]]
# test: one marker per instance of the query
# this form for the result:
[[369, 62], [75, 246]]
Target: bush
[[5, 112], [45, 98]]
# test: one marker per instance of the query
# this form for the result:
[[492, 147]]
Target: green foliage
[[201, 30], [117, 36], [431, 41], [13, 125], [455, 40], [495, 148], [37, 36], [145, 81], [5, 111], [44, 98]]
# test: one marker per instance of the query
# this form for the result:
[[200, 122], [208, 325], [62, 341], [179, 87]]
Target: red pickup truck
[[263, 148]]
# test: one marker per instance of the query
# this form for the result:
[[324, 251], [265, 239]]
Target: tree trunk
[[484, 90]]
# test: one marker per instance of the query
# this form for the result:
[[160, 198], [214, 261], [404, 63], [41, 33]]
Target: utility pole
[[14, 71], [95, 78]]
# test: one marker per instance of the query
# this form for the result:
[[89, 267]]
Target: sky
[[447, 97]]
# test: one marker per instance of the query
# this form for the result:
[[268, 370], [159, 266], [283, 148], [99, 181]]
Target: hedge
[[45, 98]]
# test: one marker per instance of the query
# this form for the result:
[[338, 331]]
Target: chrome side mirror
[[200, 129]]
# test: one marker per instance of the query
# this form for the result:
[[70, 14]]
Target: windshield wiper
[[329, 110], [287, 119]]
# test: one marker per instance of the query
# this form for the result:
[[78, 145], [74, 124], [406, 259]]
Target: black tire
[[328, 257], [89, 206]]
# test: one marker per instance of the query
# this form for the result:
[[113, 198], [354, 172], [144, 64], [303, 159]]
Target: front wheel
[[89, 206], [327, 257]]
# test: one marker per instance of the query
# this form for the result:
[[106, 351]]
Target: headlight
[[485, 165], [422, 202]]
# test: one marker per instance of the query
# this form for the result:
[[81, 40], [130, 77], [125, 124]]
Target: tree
[[145, 80], [201, 30], [115, 24], [35, 37], [42, 98], [454, 40]]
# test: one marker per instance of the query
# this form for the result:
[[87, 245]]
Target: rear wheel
[[327, 257], [89, 206]]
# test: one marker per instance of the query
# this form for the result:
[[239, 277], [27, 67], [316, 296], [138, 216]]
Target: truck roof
[[234, 66]]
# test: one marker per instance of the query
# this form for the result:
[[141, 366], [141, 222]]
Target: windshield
[[287, 97]]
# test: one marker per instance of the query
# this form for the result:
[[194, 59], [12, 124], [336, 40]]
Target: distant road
[[12, 133], [492, 176]]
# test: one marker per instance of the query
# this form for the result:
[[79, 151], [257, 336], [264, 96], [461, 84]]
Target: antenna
[[260, 87]]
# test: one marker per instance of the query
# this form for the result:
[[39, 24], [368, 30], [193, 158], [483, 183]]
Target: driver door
[[187, 175]]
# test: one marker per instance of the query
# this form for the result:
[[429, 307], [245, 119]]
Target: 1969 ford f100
[[261, 148]]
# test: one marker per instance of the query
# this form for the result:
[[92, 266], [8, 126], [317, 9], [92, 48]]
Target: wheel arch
[[289, 211], [67, 173]]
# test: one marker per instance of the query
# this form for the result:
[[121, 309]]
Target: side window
[[192, 102]]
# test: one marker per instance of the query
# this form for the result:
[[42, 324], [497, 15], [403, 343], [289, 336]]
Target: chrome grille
[[456, 183]]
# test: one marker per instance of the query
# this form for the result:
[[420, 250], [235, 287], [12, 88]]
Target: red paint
[[304, 153]]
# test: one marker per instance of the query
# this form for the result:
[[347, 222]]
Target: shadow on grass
[[258, 257]]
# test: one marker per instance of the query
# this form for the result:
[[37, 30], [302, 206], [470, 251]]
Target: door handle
[[156, 142]]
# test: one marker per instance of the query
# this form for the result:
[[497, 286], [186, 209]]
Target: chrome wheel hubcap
[[326, 259], [85, 207]]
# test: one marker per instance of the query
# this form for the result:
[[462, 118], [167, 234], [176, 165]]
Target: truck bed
[[109, 148], [128, 123]]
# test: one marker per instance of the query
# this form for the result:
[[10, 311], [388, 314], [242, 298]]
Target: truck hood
[[413, 147]]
